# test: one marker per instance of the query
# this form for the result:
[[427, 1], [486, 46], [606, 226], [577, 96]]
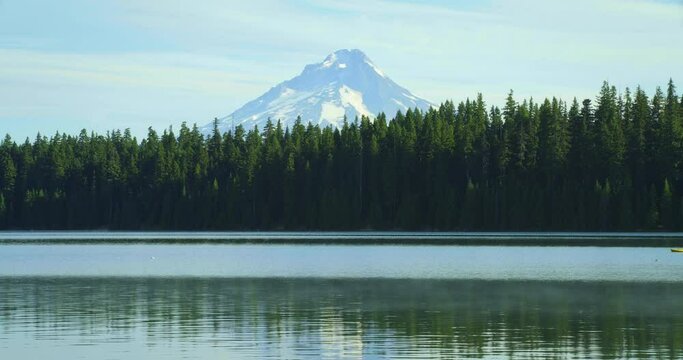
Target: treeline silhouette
[[610, 164]]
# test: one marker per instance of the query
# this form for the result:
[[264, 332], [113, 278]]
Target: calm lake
[[170, 295]]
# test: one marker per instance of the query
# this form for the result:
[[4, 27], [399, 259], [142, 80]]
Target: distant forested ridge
[[611, 164]]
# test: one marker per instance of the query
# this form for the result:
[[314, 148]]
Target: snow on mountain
[[346, 83]]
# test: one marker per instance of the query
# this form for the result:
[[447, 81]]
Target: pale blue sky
[[72, 64]]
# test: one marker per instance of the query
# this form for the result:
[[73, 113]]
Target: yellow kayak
[[677, 250]]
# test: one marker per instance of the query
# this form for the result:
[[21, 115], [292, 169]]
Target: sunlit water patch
[[344, 261]]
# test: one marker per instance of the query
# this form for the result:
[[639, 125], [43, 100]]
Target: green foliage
[[529, 166], [3, 207]]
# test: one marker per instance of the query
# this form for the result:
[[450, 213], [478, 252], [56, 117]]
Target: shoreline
[[631, 239]]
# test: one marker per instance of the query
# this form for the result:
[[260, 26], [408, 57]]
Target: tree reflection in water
[[313, 318]]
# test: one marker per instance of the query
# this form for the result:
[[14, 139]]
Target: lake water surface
[[247, 301]]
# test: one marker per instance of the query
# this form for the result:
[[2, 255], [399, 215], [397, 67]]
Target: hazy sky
[[72, 64]]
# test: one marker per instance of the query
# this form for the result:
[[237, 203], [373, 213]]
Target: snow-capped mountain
[[346, 83]]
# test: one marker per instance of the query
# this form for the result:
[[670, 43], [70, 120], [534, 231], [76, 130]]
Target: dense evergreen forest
[[610, 164]]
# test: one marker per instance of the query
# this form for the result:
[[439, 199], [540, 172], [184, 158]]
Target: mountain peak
[[342, 58], [345, 84], [345, 60], [349, 55]]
